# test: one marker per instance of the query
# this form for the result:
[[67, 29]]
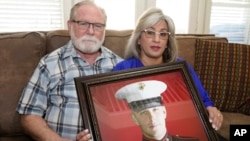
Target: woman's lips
[[155, 47]]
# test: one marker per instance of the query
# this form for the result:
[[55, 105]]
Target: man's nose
[[151, 115], [90, 29]]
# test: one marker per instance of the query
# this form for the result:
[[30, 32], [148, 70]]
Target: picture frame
[[108, 118]]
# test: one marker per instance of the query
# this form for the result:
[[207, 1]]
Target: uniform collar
[[165, 138]]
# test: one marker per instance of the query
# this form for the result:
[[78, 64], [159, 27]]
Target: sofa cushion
[[117, 40], [186, 45], [224, 71], [20, 54], [56, 39]]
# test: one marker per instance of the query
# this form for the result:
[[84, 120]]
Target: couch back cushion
[[116, 40], [224, 69], [20, 54], [56, 39], [186, 45]]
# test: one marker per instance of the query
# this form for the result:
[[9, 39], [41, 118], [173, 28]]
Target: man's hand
[[84, 136], [215, 117], [37, 128]]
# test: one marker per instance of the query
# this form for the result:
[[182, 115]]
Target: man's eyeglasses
[[85, 25], [151, 34]]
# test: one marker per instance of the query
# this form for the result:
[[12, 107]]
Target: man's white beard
[[87, 44]]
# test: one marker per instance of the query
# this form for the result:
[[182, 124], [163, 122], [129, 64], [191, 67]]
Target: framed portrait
[[109, 118]]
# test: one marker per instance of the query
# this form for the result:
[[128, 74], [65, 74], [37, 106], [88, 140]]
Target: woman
[[153, 42]]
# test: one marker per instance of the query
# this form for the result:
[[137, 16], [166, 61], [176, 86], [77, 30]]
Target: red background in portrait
[[113, 115]]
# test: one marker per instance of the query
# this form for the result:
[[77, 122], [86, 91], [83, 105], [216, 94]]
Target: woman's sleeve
[[203, 93], [118, 67]]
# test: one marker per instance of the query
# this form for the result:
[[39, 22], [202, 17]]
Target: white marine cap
[[143, 94]]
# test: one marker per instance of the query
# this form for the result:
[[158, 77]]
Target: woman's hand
[[215, 117]]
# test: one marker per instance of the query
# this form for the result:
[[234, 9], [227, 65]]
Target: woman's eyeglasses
[[151, 34]]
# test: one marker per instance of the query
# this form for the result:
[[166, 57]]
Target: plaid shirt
[[51, 91]]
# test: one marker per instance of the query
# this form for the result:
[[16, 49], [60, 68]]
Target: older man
[[49, 106]]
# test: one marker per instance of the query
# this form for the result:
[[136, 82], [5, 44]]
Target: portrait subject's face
[[151, 121]]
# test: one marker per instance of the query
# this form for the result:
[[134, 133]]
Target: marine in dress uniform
[[145, 95]]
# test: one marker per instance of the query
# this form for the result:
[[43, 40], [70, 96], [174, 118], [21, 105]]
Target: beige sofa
[[20, 53]]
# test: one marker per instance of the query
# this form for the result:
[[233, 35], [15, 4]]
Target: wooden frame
[[109, 119]]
